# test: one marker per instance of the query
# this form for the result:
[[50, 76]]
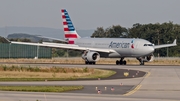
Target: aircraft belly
[[123, 52], [114, 55]]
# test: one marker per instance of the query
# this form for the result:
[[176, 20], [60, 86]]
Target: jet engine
[[91, 56]]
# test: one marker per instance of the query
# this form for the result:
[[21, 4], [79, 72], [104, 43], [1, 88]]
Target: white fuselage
[[124, 47]]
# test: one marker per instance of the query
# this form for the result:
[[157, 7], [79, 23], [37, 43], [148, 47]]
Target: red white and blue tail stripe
[[69, 30]]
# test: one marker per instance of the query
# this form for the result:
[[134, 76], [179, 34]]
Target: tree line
[[156, 33]]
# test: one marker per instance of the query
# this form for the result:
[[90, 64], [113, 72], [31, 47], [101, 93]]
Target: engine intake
[[91, 56]]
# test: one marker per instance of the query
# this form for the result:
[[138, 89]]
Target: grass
[[40, 88], [101, 74], [19, 73], [77, 60], [44, 69]]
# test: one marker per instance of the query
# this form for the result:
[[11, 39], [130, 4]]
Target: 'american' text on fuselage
[[119, 45]]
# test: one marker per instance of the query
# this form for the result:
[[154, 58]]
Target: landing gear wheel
[[142, 63], [87, 62], [124, 62], [120, 62], [117, 62]]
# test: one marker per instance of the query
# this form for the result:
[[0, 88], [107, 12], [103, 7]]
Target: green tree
[[99, 32], [111, 32], [158, 34]]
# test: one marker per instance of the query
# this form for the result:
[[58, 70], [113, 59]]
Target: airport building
[[9, 50]]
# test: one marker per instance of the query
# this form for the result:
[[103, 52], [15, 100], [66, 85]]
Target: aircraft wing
[[66, 46], [165, 45]]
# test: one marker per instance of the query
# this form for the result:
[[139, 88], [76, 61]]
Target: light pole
[[167, 49], [67, 53], [158, 41], [9, 50], [37, 51]]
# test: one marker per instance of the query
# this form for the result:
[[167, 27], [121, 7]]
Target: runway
[[161, 83]]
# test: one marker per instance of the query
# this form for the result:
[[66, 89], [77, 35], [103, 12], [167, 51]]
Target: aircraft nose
[[151, 49]]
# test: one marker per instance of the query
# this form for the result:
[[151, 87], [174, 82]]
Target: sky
[[87, 14]]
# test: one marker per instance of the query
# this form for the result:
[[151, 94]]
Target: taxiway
[[160, 83]]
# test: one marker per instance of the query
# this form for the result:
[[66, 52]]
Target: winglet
[[7, 40], [174, 42]]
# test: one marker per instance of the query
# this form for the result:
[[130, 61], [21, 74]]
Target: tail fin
[[69, 30]]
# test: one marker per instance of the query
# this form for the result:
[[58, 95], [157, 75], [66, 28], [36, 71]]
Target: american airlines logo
[[132, 44], [121, 44]]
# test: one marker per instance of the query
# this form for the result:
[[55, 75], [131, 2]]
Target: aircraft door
[[136, 45]]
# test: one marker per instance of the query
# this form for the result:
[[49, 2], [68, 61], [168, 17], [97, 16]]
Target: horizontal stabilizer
[[61, 40]]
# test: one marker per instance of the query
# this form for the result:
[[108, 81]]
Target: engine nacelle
[[148, 58], [91, 56]]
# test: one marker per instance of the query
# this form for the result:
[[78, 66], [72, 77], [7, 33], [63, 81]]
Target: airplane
[[95, 48]]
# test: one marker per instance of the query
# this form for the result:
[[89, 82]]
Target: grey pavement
[[161, 84]]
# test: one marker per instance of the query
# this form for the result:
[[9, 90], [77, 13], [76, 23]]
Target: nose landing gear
[[141, 61]]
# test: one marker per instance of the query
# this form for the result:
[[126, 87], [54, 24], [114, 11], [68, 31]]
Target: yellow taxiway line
[[137, 87], [148, 74], [133, 91]]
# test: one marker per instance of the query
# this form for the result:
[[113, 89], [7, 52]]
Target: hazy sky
[[88, 14]]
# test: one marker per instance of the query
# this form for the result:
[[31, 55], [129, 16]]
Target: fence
[[8, 50]]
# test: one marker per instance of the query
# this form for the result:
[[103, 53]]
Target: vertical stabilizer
[[69, 30]]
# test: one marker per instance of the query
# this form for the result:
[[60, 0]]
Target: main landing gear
[[121, 62], [87, 62]]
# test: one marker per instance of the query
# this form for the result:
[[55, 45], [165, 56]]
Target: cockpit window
[[148, 44]]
